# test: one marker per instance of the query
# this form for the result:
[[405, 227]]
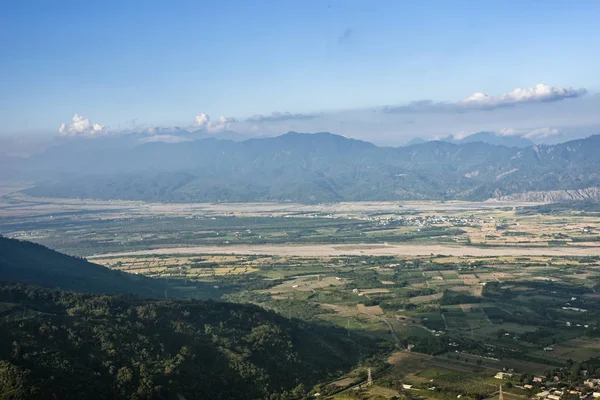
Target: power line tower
[[369, 378]]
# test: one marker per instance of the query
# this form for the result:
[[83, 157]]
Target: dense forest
[[57, 344]]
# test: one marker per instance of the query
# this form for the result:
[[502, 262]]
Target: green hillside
[[35, 264], [56, 344]]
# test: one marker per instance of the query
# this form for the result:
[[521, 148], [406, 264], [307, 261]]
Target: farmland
[[456, 291]]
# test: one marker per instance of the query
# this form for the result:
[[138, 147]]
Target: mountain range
[[483, 137], [299, 167]]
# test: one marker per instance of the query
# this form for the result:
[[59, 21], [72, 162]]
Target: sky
[[383, 71]]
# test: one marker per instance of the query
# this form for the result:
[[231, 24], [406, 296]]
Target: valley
[[300, 200], [452, 290]]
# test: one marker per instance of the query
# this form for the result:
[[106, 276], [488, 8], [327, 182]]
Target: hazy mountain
[[491, 138], [413, 141], [312, 168], [224, 135], [496, 139]]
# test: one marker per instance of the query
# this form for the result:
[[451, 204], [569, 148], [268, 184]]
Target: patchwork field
[[454, 292]]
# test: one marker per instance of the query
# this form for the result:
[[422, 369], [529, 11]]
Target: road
[[392, 331]]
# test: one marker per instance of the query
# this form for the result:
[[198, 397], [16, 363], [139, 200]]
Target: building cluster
[[592, 384], [553, 393], [560, 393], [427, 220]]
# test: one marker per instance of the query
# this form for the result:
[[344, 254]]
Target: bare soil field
[[400, 357], [369, 310], [426, 299], [344, 382]]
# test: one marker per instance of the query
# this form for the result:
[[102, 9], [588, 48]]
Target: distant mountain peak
[[414, 141], [491, 138]]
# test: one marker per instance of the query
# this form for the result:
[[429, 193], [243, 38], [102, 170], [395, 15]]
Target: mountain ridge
[[32, 263], [319, 167]]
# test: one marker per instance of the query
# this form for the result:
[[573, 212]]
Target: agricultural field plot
[[426, 298], [579, 349], [307, 283], [447, 376]]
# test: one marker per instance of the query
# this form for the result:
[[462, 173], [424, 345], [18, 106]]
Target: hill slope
[[68, 345], [35, 264]]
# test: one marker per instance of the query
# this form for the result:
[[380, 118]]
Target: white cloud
[[461, 135], [530, 133], [80, 127], [481, 101], [539, 93], [164, 139], [508, 132], [204, 123], [541, 133], [277, 116]]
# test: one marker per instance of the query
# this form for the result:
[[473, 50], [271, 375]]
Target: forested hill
[[319, 167], [35, 264], [67, 345]]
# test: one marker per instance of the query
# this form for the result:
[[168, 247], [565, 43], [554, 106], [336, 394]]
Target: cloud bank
[[481, 101], [541, 113], [538, 133], [281, 116], [539, 93]]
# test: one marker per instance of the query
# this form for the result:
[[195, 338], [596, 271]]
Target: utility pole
[[370, 379], [501, 395]]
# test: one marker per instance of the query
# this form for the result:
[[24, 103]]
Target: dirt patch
[[400, 356], [344, 382], [369, 310], [372, 291], [579, 276], [468, 307], [475, 290], [344, 311], [426, 299]]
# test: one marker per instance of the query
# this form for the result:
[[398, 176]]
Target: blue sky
[[124, 64]]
